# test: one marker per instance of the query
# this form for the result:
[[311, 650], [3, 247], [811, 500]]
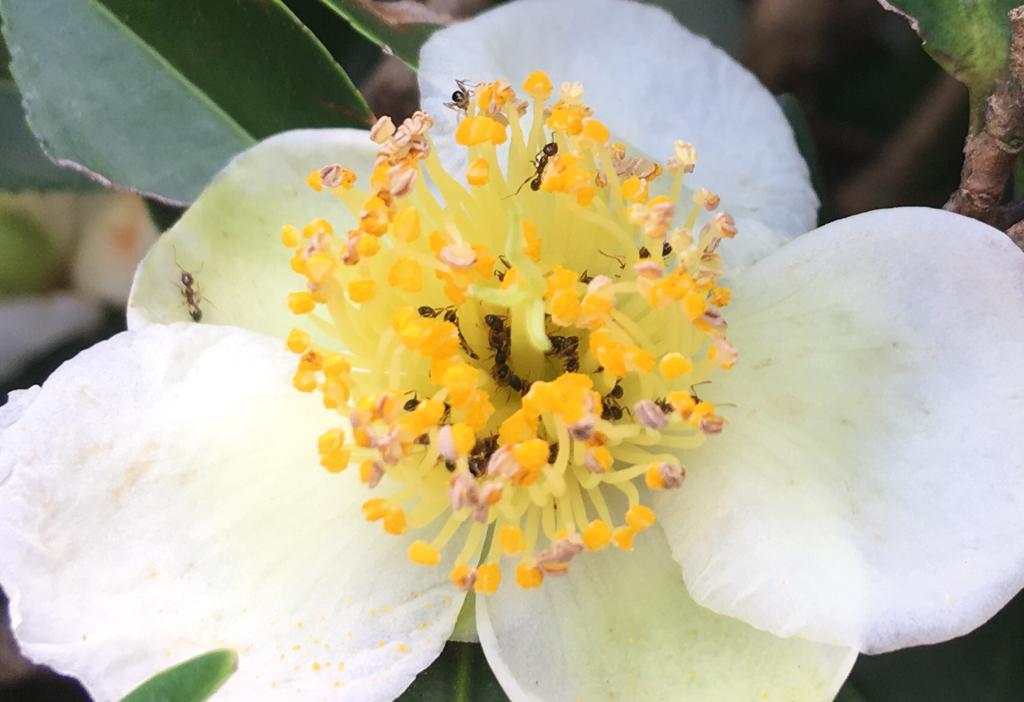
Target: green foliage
[[195, 680], [158, 96], [460, 674], [968, 38], [28, 259], [23, 165], [385, 26]]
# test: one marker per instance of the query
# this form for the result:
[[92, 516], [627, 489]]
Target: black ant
[[666, 250], [585, 277], [566, 348], [190, 291], [481, 454], [500, 340], [460, 97], [452, 317], [610, 408], [644, 253], [540, 162], [618, 259], [664, 405], [500, 275]]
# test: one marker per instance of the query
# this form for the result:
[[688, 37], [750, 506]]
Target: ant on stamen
[[447, 414], [500, 275], [481, 454], [461, 96], [666, 250], [190, 291], [664, 405], [644, 253], [412, 403], [567, 349], [452, 317], [499, 338], [618, 259], [610, 408], [540, 162], [585, 277]]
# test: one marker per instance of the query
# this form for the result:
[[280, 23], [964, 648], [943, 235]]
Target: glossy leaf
[[400, 28], [460, 674], [721, 21], [157, 96], [195, 680], [968, 38], [24, 166]]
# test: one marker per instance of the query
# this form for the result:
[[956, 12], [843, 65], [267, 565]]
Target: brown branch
[[989, 154], [886, 180]]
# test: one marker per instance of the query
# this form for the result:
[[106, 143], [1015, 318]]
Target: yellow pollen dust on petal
[[517, 350]]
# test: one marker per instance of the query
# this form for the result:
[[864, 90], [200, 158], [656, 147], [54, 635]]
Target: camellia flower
[[508, 351]]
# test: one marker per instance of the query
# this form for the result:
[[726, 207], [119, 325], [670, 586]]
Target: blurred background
[[879, 122]]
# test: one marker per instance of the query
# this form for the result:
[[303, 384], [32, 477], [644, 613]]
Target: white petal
[[868, 489], [230, 238], [166, 500], [650, 80], [32, 324], [621, 626]]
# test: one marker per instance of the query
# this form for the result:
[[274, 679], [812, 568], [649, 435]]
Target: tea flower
[[480, 363]]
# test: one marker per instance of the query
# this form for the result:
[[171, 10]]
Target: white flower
[[865, 493]]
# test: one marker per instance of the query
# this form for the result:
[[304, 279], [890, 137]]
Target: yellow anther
[[478, 172], [304, 381], [481, 129], [438, 240], [301, 302], [297, 341], [531, 454], [532, 245], [367, 471], [528, 576], [653, 479], [374, 509], [683, 402], [462, 576], [596, 535], [674, 364], [622, 537], [314, 181], [720, 297], [422, 553], [585, 195], [317, 226], [361, 290], [362, 437], [394, 521], [598, 458], [595, 130], [367, 246], [565, 307], [289, 236], [331, 440], [477, 410], [406, 274], [336, 460], [517, 427], [461, 379], [463, 437], [538, 86], [318, 266], [634, 188], [511, 539], [407, 224], [311, 360], [488, 578], [640, 517], [695, 305], [336, 365]]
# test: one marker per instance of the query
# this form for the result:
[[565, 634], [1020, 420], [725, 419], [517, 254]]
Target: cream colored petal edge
[[621, 626], [868, 489], [165, 499], [229, 240], [649, 79], [32, 324]]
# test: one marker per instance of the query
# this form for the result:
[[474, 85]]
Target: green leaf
[[968, 38], [195, 680], [24, 166], [28, 259], [460, 674], [157, 96], [400, 29], [5, 59]]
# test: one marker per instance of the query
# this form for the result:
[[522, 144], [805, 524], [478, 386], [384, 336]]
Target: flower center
[[510, 353]]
